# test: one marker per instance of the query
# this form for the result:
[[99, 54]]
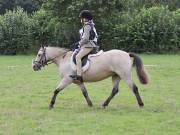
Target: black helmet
[[86, 14]]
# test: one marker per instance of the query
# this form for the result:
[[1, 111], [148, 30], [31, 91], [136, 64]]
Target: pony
[[116, 64]]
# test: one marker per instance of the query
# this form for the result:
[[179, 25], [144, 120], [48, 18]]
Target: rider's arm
[[86, 34]]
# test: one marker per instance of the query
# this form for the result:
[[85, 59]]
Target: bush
[[177, 21], [16, 32], [154, 29], [61, 25], [148, 29], [121, 24], [53, 30]]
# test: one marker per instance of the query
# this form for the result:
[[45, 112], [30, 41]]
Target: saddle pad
[[85, 60]]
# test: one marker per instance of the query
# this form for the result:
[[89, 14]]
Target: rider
[[88, 40]]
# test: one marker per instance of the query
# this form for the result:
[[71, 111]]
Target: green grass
[[25, 95]]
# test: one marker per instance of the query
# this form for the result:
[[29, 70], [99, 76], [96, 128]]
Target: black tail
[[142, 75]]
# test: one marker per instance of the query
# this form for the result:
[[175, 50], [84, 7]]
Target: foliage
[[52, 30], [153, 29], [148, 29], [16, 29], [131, 25], [28, 5], [63, 25], [138, 4]]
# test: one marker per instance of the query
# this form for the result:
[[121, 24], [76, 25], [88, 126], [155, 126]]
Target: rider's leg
[[83, 52]]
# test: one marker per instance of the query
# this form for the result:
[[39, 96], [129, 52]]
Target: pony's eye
[[39, 55]]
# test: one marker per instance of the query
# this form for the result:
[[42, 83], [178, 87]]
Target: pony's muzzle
[[36, 66]]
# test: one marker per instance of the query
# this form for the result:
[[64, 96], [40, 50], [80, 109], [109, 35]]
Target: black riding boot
[[77, 77]]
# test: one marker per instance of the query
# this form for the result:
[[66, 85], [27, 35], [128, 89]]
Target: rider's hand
[[75, 46]]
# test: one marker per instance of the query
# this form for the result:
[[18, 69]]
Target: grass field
[[25, 95]]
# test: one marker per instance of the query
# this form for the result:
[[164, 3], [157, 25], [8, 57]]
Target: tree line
[[151, 26]]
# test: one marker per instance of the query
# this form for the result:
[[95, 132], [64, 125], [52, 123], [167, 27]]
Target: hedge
[[16, 32], [151, 29], [154, 29]]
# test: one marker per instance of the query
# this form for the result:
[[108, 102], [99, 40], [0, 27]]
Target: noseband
[[42, 62]]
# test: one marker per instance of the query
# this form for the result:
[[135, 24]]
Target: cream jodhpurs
[[84, 51]]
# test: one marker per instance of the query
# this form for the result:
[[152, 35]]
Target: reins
[[50, 61]]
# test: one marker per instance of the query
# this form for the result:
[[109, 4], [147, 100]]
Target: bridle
[[42, 63]]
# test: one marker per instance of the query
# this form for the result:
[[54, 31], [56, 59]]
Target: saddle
[[85, 60]]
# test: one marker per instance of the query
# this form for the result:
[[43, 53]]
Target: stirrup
[[77, 77]]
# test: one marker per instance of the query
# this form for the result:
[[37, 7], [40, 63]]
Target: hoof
[[50, 107], [141, 105], [90, 104], [104, 106]]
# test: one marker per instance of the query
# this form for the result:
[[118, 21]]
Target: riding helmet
[[86, 14]]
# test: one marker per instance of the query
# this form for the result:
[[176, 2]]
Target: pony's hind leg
[[134, 88], [115, 82]]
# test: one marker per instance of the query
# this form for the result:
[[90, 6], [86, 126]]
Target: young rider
[[88, 36]]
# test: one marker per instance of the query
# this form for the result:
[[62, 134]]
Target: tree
[[28, 5]]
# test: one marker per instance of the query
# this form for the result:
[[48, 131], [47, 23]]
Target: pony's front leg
[[65, 82], [85, 94]]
